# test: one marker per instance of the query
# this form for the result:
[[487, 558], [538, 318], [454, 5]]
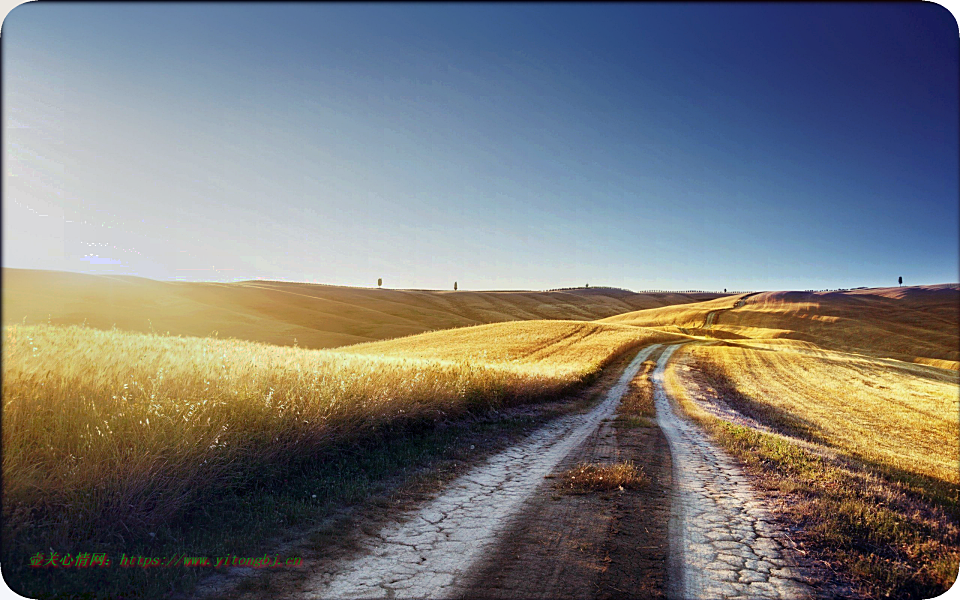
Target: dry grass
[[284, 313], [567, 347], [106, 427], [110, 431], [636, 407], [899, 415], [685, 315], [859, 394], [587, 477], [917, 324]]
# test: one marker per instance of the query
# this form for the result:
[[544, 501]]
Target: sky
[[502, 146]]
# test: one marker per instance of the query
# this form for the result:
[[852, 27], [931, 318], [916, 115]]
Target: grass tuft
[[638, 400], [587, 477]]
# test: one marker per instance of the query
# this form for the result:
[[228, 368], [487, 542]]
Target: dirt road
[[427, 553], [503, 529], [594, 544], [725, 543]]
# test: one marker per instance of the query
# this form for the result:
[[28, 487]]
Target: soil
[[591, 545]]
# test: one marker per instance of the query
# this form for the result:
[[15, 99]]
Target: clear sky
[[645, 146]]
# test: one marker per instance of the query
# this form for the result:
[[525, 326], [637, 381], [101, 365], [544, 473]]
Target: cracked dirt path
[[724, 542], [428, 552], [588, 545]]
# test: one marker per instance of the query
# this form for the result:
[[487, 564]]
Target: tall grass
[[103, 428]]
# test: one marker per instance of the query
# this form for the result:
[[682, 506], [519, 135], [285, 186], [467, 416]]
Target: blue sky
[[514, 146]]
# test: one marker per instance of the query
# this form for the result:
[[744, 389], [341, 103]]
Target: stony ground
[[726, 544]]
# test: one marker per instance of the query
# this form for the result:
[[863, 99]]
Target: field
[[288, 314], [916, 324], [692, 316], [899, 416], [101, 425], [841, 404]]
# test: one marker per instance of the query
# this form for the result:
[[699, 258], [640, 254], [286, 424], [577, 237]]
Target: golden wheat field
[[145, 420], [869, 373], [887, 412], [106, 425], [917, 324], [687, 316], [568, 347], [108, 422]]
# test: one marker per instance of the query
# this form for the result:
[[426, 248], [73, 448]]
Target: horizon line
[[547, 290]]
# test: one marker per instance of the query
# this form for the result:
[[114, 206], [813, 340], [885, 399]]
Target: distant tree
[[724, 290], [454, 286], [900, 280], [588, 285], [379, 281]]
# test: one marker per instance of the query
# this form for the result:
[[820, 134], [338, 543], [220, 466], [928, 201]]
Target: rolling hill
[[915, 324], [281, 313]]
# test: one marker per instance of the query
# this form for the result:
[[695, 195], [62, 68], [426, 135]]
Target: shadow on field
[[775, 418], [245, 521]]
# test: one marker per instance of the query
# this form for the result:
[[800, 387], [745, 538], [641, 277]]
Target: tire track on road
[[428, 553], [724, 543]]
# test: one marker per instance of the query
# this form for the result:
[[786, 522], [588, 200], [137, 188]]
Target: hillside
[[916, 324], [310, 315]]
